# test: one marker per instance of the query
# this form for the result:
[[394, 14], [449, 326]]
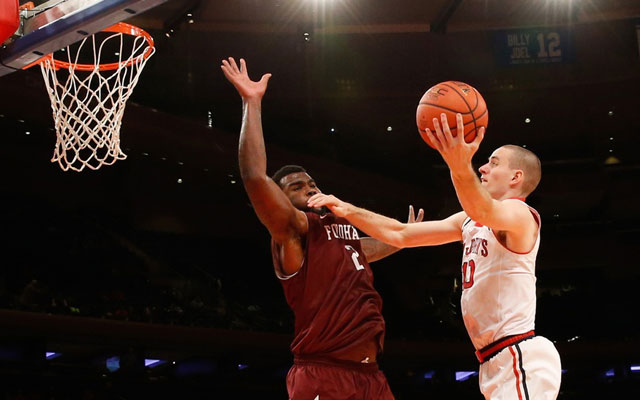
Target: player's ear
[[518, 176]]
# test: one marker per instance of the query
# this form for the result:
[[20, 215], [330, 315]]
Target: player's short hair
[[525, 160], [286, 170]]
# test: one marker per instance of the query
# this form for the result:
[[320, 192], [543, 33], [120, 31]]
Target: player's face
[[299, 187], [496, 174]]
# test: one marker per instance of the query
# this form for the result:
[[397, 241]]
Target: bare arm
[[275, 211], [391, 231], [375, 250], [500, 215]]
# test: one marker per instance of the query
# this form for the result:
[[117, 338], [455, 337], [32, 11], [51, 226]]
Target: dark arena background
[[152, 278]]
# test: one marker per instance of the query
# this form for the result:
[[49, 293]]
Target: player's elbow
[[393, 240], [399, 237], [388, 235]]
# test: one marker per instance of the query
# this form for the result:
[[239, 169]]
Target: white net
[[88, 103]]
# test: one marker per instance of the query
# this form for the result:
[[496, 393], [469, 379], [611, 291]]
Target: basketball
[[452, 97]]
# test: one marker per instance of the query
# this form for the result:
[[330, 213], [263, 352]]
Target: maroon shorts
[[319, 379]]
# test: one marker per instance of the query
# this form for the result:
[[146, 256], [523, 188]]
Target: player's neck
[[510, 194]]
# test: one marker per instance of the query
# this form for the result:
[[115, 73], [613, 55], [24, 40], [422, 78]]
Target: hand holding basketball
[[455, 151], [450, 98]]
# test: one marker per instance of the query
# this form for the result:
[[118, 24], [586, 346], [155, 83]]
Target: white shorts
[[529, 370]]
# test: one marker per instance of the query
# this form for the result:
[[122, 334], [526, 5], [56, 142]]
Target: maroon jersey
[[332, 296]]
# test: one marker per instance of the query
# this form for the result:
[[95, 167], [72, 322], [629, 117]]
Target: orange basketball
[[452, 97]]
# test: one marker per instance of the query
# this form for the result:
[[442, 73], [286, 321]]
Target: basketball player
[[501, 235], [323, 266]]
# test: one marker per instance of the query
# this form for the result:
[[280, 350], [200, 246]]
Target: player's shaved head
[[526, 161]]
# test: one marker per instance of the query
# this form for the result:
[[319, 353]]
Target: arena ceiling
[[380, 16]]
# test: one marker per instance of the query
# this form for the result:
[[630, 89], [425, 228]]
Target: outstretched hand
[[239, 77], [341, 208], [455, 151]]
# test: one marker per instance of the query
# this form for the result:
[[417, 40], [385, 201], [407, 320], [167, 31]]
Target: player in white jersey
[[501, 236]]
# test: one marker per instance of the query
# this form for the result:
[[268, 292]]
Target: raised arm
[[273, 207], [501, 215], [391, 231]]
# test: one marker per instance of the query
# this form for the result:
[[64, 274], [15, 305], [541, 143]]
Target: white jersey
[[498, 285]]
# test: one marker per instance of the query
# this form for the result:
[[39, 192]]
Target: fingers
[[479, 136], [412, 217], [225, 70], [233, 65], [425, 136], [459, 128], [446, 131], [230, 67], [438, 132], [433, 140], [243, 67], [320, 199], [265, 79], [225, 66], [315, 197]]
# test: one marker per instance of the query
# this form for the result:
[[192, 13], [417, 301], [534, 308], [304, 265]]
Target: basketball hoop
[[88, 103]]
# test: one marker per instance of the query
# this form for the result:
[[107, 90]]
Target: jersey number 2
[[468, 269], [354, 257]]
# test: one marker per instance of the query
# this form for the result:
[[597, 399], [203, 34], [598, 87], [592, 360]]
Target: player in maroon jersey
[[323, 266]]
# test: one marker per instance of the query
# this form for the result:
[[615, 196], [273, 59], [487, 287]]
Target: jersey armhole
[[536, 218], [284, 277], [278, 270]]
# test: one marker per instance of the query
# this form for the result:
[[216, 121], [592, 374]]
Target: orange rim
[[120, 27]]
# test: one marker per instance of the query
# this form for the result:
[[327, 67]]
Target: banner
[[532, 46]]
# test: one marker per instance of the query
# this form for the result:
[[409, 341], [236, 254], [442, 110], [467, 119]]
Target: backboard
[[55, 24]]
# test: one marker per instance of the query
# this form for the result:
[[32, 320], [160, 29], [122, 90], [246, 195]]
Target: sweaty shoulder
[[527, 224], [522, 211]]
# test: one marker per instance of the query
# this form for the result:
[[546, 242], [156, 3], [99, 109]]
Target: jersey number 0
[[468, 269]]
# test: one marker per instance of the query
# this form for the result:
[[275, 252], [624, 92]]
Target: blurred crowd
[[82, 268]]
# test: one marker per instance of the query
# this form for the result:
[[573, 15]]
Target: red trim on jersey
[[494, 348], [515, 372]]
